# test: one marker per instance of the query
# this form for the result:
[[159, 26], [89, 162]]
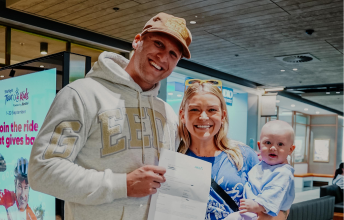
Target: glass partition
[[285, 115]]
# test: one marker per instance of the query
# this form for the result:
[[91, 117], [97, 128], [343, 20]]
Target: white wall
[[301, 168]]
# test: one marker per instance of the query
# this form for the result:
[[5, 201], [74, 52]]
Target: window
[[26, 46], [2, 44], [88, 51]]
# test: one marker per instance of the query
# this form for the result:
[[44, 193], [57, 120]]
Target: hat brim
[[186, 52]]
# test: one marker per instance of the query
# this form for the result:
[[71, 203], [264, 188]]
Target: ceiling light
[[192, 22], [12, 73], [292, 105], [317, 112], [196, 16], [282, 70], [328, 93], [277, 101], [295, 69], [2, 76], [274, 89], [41, 66], [337, 92], [170, 93], [306, 109], [179, 95], [44, 48]]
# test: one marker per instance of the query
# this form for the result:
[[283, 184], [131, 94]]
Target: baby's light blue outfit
[[272, 186]]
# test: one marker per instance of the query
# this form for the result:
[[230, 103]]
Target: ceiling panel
[[238, 37]]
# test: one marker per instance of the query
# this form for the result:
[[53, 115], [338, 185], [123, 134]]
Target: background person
[[203, 127], [99, 144], [16, 203], [338, 178]]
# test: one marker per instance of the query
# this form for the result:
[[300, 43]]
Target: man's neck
[[131, 71]]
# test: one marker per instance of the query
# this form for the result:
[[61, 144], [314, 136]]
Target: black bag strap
[[230, 202]]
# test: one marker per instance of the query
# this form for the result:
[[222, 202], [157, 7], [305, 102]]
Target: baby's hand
[[248, 205]]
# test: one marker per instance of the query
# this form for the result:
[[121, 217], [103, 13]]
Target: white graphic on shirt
[[235, 192]]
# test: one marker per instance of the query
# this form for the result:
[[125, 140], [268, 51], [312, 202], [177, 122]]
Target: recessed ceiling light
[[278, 101], [2, 76], [295, 69], [337, 92], [317, 112], [196, 16], [41, 66], [282, 70], [170, 93], [328, 93], [292, 105], [179, 95], [192, 22], [306, 109]]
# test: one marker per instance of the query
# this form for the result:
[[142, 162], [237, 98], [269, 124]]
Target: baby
[[270, 187]]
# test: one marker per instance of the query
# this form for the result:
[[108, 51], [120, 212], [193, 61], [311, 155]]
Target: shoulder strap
[[230, 202]]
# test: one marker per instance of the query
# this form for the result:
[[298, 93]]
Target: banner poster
[[228, 95], [24, 103]]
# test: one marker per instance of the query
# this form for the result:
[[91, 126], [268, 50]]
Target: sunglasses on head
[[214, 82]]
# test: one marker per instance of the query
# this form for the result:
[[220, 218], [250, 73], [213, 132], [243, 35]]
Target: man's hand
[[145, 180], [248, 205]]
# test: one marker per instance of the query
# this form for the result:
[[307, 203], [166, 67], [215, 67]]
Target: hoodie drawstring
[[156, 129], [142, 137]]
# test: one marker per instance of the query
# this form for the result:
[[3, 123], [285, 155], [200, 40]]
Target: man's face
[[22, 194], [155, 57]]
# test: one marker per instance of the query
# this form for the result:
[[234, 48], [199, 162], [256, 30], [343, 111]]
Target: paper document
[[184, 195]]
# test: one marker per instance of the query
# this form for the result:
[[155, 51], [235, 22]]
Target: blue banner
[[228, 95]]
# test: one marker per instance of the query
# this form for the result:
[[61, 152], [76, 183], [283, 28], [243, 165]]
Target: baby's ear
[[292, 148]]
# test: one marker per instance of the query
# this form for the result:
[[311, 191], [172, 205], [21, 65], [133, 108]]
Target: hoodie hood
[[111, 67]]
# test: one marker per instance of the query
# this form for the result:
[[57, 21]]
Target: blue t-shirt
[[232, 181], [272, 186]]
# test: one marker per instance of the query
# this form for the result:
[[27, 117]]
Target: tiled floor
[[307, 193]]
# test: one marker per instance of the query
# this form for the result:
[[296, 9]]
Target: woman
[[338, 178], [203, 126]]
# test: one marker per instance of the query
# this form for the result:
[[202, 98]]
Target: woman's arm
[[282, 215]]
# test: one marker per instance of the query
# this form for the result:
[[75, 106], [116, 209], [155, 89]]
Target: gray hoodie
[[91, 138]]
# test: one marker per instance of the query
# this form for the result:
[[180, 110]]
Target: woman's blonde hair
[[221, 141]]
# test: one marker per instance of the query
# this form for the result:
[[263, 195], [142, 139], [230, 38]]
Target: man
[[99, 145], [16, 203]]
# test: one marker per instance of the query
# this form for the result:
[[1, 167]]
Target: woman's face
[[202, 116]]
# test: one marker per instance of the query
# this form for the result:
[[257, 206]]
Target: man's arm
[[52, 169], [51, 166]]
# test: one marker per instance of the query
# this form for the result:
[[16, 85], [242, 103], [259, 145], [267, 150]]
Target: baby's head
[[276, 142]]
